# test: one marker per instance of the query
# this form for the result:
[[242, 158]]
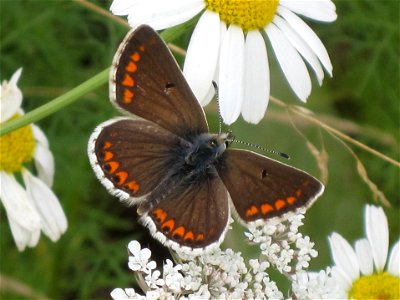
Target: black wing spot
[[169, 86], [264, 173]]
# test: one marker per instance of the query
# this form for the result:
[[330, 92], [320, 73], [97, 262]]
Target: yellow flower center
[[16, 148], [380, 286], [248, 14]]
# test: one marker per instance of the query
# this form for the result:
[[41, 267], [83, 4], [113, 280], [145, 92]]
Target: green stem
[[56, 104]]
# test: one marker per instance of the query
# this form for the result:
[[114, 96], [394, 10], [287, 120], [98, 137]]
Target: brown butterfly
[[162, 158]]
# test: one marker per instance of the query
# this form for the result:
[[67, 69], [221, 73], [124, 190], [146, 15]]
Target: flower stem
[[57, 103]]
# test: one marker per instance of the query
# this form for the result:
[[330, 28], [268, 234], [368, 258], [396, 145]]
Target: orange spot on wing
[[128, 81], [179, 232], [253, 210], [266, 208], [107, 155], [128, 95], [107, 145], [141, 48], [299, 192], [131, 67], [121, 177], [200, 237], [160, 215], [135, 57], [306, 183], [111, 167], [168, 225], [133, 186], [189, 236], [291, 200], [279, 204]]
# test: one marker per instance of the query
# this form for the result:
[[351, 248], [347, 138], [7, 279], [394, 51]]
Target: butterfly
[[161, 157]]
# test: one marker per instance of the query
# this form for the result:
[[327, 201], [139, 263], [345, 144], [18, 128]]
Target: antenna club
[[284, 155]]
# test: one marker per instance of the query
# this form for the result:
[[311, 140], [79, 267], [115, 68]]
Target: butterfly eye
[[212, 143]]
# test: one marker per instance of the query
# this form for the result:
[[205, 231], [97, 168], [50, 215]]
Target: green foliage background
[[60, 44]]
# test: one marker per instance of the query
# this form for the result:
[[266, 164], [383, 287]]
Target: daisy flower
[[360, 272], [31, 207], [228, 46]]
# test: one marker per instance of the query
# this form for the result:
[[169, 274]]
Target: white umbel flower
[[32, 207], [227, 46], [226, 274]]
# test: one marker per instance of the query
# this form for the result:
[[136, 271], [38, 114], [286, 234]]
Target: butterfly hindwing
[[262, 188], [181, 176], [192, 215], [145, 80], [130, 156]]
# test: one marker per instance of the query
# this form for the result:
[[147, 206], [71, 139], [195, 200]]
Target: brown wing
[[145, 80], [262, 188], [130, 157], [192, 215]]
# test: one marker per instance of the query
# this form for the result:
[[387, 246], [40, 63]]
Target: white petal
[[17, 203], [202, 55], [364, 255], [341, 279], [161, 14], [119, 294], [39, 135], [301, 47], [44, 160], [321, 10], [15, 77], [10, 97], [54, 222], [344, 256], [210, 94], [34, 238], [23, 218], [291, 62], [211, 90], [151, 265], [134, 248], [376, 226], [223, 28], [23, 237], [308, 36], [256, 78], [145, 254], [394, 260], [123, 7], [44, 163], [231, 74]]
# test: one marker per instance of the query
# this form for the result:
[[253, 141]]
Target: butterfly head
[[206, 148]]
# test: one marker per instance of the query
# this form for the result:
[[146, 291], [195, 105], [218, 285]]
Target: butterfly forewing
[[193, 214], [262, 188], [132, 156], [145, 80], [180, 177]]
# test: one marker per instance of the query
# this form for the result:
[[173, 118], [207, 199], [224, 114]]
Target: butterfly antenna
[[284, 155], [218, 107]]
